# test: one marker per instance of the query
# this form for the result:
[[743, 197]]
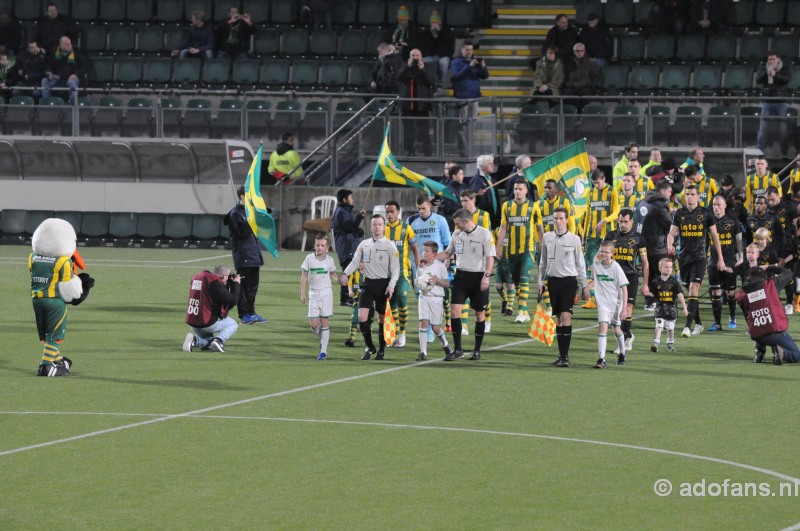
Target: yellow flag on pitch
[[389, 326], [543, 327]]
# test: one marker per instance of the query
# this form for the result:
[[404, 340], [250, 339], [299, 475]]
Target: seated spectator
[[51, 27], [706, 16], [438, 45], [581, 77], [31, 66], [549, 74], [562, 37], [8, 75], [234, 34], [66, 68], [198, 40], [405, 34], [386, 70], [597, 38], [10, 33], [319, 13]]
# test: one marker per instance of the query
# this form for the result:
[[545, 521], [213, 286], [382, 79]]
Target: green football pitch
[[143, 435]]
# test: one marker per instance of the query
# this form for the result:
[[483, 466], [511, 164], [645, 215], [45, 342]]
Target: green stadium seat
[[228, 123], [169, 11], [344, 111], [333, 74], [614, 79], [29, 10], [315, 121], [51, 118], [74, 218], [294, 42], [258, 9], [12, 226], [113, 10], [94, 228], [630, 48], [721, 48], [216, 73], [197, 118], [150, 228], [157, 72], [535, 124], [100, 71], [618, 13], [284, 11], [720, 129], [675, 79], [149, 38], [642, 14], [793, 15], [323, 42], [186, 73], [128, 71], [644, 79], [688, 126], [375, 36], [739, 13], [691, 48], [661, 48], [371, 13], [136, 10], [771, 14], [786, 45], [122, 228], [753, 49], [84, 10], [245, 73], [274, 73], [624, 122], [571, 122], [171, 116], [286, 119], [206, 230], [657, 119], [584, 7], [345, 13], [107, 119], [139, 120], [707, 79], [121, 38], [93, 37], [173, 35], [460, 15], [594, 124], [258, 118], [750, 118], [85, 112], [34, 219], [18, 117], [267, 41], [360, 75], [353, 43], [177, 230], [738, 79], [305, 74]]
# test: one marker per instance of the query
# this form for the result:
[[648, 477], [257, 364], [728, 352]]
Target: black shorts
[[562, 293], [373, 291], [720, 279], [693, 269], [633, 286], [467, 285]]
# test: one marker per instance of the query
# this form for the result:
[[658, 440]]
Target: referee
[[475, 252], [381, 270], [562, 267]]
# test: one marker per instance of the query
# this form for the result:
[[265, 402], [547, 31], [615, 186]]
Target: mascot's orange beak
[[77, 262]]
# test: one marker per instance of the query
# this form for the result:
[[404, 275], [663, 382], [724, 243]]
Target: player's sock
[[489, 312], [522, 295], [691, 305], [366, 331], [456, 322], [381, 335], [511, 295], [626, 327], [502, 292], [564, 337], [732, 306], [442, 339], [324, 337], [446, 308], [620, 342], [602, 341], [402, 319], [50, 352], [423, 340], [716, 308], [480, 327]]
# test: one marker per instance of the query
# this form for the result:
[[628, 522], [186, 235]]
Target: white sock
[[317, 330], [443, 340], [325, 335], [601, 345], [621, 342], [423, 340]]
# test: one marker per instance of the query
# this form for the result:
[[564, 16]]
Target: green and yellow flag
[[255, 209], [387, 169], [568, 167]]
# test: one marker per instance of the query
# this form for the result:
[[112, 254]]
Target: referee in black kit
[[474, 249]]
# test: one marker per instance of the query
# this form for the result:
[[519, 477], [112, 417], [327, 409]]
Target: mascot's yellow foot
[[590, 304]]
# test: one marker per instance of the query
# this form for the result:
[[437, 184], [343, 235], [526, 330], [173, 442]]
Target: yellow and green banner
[[568, 167], [255, 209]]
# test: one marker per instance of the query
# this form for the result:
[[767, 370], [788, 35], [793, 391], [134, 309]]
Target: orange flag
[[543, 327], [389, 327]]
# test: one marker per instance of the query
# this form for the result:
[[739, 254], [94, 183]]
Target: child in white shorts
[[318, 270], [611, 294], [431, 280]]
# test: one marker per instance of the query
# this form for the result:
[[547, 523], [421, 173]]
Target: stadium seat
[[305, 74], [333, 74], [619, 13], [657, 118], [85, 112], [642, 14], [624, 121], [171, 116], [245, 73], [594, 124], [353, 43], [753, 49], [284, 11], [122, 228], [258, 118], [169, 11], [720, 129], [630, 48], [173, 34], [111, 10], [186, 73], [738, 79], [360, 75], [644, 79], [614, 79], [222, 10], [794, 85], [460, 15], [94, 228], [375, 36], [793, 15], [721, 48], [323, 42], [286, 119], [267, 41], [29, 10], [750, 117], [739, 13], [121, 38], [84, 10], [19, 113], [157, 72], [294, 42], [34, 219], [51, 118], [321, 207], [136, 10], [535, 124], [345, 13], [786, 45], [371, 13], [177, 230], [197, 118], [150, 228], [93, 37], [771, 14], [571, 122], [216, 73], [660, 48], [138, 120], [258, 10], [707, 79], [691, 48], [228, 123], [107, 119], [12, 226], [584, 7], [100, 71], [206, 230], [128, 71], [344, 111], [74, 218], [688, 126], [315, 121], [675, 79], [149, 38], [274, 73]]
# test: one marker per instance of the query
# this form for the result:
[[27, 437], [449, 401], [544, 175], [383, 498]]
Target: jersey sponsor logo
[[40, 280], [197, 285], [757, 295]]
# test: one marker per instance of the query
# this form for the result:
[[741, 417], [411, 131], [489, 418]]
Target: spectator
[[198, 41], [562, 37], [10, 32], [488, 198], [438, 46], [774, 78], [581, 76], [548, 75], [520, 163], [404, 34], [621, 167], [706, 16], [416, 83], [319, 13], [597, 39], [8, 75], [347, 234], [66, 68], [655, 160], [31, 63], [234, 35], [456, 185], [467, 73], [386, 70], [284, 159], [51, 27]]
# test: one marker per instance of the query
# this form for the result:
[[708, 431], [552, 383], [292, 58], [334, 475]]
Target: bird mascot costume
[[54, 284]]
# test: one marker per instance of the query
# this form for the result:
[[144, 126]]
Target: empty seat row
[[284, 12], [121, 229], [750, 49], [276, 74], [738, 13]]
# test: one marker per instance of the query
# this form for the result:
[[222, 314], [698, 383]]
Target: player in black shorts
[[628, 250], [694, 223], [730, 240]]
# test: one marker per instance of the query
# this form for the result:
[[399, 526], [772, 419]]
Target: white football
[[423, 282]]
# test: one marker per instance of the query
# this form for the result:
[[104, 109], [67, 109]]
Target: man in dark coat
[[562, 36], [416, 83], [247, 259], [347, 233], [656, 221], [51, 27], [488, 198]]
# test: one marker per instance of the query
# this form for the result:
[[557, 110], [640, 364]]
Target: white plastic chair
[[321, 207]]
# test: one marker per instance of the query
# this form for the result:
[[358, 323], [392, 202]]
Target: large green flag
[[387, 169], [568, 167], [256, 210]]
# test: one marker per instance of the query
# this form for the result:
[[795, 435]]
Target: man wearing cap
[[404, 34], [597, 39], [437, 46]]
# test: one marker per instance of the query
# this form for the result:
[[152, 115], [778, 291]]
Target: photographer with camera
[[233, 35], [417, 85], [211, 295], [466, 75]]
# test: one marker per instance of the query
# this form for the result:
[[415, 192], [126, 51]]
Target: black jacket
[[778, 87], [347, 232], [656, 223], [244, 245], [416, 83]]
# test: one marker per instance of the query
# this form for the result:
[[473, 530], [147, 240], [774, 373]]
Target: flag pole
[[504, 179], [366, 199]]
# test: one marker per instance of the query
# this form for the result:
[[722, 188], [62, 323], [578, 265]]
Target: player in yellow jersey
[[757, 182], [794, 176], [706, 187], [598, 221], [641, 184], [544, 208], [627, 196], [516, 222], [405, 240]]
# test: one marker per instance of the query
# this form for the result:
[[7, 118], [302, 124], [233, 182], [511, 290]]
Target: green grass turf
[[264, 436]]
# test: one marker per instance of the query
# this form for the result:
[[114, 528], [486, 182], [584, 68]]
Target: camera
[[415, 62], [479, 60]]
